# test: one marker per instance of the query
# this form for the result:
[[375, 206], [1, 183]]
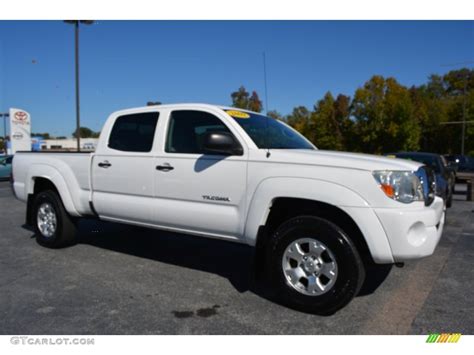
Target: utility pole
[[76, 45]]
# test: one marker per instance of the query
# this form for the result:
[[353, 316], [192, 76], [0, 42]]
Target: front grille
[[428, 182]]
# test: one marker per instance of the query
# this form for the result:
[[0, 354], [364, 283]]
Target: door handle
[[164, 167], [105, 164]]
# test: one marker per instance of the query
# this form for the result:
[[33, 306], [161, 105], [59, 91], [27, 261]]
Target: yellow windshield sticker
[[237, 114], [391, 156]]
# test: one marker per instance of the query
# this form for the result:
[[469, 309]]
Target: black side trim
[[29, 210], [259, 256], [91, 205]]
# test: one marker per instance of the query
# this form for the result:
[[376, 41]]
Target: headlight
[[402, 186]]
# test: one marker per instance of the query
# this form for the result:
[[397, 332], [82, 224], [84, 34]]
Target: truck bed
[[72, 167]]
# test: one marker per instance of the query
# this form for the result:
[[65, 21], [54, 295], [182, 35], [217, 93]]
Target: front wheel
[[313, 265], [54, 228]]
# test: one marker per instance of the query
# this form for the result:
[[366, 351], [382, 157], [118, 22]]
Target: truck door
[[196, 191], [123, 169]]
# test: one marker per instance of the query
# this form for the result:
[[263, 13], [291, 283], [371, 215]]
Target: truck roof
[[181, 106]]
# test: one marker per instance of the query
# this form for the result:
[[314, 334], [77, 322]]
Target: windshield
[[267, 132]]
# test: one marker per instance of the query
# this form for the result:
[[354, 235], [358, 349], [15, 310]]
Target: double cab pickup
[[318, 219]]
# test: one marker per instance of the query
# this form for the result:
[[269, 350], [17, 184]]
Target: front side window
[[134, 132], [268, 132], [187, 128]]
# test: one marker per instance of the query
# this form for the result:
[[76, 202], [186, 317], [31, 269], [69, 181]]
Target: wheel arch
[[281, 198], [285, 208], [51, 181]]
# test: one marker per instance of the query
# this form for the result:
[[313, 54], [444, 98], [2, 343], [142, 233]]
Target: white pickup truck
[[317, 218]]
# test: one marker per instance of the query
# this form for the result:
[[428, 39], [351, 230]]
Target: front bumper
[[413, 233]]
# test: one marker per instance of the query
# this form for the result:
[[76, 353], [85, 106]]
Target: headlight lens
[[402, 186]]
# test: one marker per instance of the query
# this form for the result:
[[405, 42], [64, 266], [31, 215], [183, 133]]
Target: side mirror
[[221, 143]]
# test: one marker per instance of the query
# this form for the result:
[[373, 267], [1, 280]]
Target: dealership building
[[38, 144]]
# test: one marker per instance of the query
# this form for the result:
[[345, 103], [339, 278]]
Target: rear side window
[[187, 129], [134, 133]]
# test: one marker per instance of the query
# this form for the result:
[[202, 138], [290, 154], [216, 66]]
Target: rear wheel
[[53, 226], [313, 265]]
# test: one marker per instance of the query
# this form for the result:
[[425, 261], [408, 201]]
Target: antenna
[[265, 81], [266, 103]]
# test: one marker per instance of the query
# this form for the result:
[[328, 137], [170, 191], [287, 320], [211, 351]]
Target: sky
[[125, 64]]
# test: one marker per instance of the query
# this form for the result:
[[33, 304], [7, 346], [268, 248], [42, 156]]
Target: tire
[[53, 226], [348, 271]]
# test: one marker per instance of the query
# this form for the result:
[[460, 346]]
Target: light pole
[[76, 41]]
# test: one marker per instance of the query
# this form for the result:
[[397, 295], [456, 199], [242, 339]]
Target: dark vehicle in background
[[461, 163], [445, 175]]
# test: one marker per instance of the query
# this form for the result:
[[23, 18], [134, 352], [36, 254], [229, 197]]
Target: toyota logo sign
[[21, 116]]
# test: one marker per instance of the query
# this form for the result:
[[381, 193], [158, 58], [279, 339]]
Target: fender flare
[[50, 173], [324, 191]]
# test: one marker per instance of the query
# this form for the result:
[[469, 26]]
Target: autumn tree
[[240, 98], [342, 108], [255, 104], [442, 100], [384, 116], [276, 115], [325, 130], [299, 119]]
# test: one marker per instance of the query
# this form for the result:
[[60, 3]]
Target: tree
[[384, 116], [299, 119], [275, 114], [85, 132], [42, 135], [455, 81], [240, 98], [441, 100], [342, 107], [254, 103], [430, 110], [325, 131]]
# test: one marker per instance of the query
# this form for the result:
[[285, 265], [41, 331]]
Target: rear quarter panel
[[69, 172]]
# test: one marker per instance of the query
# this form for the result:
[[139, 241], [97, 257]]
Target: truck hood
[[341, 160]]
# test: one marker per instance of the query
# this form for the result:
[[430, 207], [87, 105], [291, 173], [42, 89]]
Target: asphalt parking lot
[[128, 280]]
